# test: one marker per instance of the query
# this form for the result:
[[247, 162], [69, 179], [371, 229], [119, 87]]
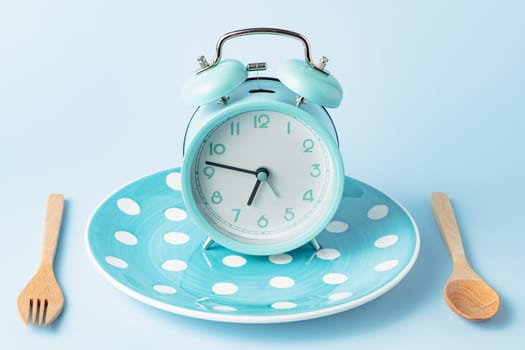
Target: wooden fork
[[42, 298]]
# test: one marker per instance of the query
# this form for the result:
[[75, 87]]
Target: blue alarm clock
[[262, 173]]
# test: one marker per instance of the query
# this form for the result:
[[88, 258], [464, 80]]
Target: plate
[[142, 241]]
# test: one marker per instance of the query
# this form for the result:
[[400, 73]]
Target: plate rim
[[251, 319]]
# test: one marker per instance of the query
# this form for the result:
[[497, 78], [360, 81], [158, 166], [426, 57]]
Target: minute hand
[[229, 167]]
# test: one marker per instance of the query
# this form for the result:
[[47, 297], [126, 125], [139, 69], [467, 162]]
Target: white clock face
[[263, 176]]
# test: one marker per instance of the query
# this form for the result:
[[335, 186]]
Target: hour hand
[[254, 192]]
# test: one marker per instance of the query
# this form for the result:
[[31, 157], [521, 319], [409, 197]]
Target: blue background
[[434, 101]]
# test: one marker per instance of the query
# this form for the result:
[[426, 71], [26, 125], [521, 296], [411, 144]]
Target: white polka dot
[[234, 261], [174, 265], [280, 259], [116, 262], [283, 305], [176, 238], [386, 241], [128, 206], [126, 237], [161, 288], [378, 212], [337, 227], [334, 278], [224, 308], [282, 282], [175, 214], [327, 254], [386, 265], [224, 288], [340, 296], [173, 181]]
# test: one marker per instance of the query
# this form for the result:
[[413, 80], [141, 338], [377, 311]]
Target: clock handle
[[274, 31]]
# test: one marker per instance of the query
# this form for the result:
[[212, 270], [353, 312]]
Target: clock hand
[[272, 187], [254, 192], [262, 175], [229, 167]]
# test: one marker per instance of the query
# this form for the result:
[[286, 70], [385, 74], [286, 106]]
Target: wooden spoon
[[465, 292]]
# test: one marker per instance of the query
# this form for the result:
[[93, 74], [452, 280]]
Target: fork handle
[[54, 210]]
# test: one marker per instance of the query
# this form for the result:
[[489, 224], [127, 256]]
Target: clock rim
[[231, 110]]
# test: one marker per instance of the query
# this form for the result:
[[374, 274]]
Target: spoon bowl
[[466, 293], [471, 299]]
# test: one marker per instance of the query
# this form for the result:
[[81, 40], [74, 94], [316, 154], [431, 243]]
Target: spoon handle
[[448, 226]]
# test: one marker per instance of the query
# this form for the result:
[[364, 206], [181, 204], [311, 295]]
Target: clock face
[[264, 177]]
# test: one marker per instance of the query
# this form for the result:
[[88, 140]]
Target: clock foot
[[207, 243], [315, 244]]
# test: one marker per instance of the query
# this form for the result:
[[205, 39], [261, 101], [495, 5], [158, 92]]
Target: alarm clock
[[262, 173]]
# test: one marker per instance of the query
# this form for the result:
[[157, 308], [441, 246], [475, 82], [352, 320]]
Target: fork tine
[[42, 314], [53, 309], [35, 304]]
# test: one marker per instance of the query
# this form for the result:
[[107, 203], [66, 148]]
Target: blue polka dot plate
[[143, 242]]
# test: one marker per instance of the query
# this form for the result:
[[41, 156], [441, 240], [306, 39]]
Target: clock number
[[216, 197], [308, 145], [217, 148], [308, 196], [316, 170], [235, 128], [208, 172], [262, 222], [237, 214], [289, 214], [289, 128], [261, 121]]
